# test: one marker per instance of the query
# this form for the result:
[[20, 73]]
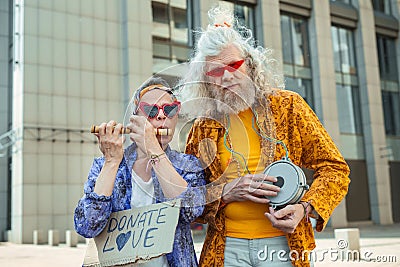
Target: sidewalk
[[379, 246], [377, 242]]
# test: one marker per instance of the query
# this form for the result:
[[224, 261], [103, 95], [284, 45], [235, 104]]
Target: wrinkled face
[[227, 72], [154, 99]]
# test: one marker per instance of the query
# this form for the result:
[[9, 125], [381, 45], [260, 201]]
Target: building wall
[[324, 84], [4, 111], [373, 124], [73, 77]]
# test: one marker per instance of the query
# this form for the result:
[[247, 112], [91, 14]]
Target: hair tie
[[149, 88], [146, 89], [222, 25]]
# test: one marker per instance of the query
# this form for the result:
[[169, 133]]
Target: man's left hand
[[286, 219]]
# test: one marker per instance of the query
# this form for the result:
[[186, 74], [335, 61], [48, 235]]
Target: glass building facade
[[296, 56]]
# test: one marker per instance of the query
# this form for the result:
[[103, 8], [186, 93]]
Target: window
[[295, 41], [344, 54], [170, 34], [244, 13], [391, 112], [180, 20], [296, 56], [301, 86], [347, 89], [389, 84], [382, 6], [160, 13], [387, 58], [342, 1], [349, 109]]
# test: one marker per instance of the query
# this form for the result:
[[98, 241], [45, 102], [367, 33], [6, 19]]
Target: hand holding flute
[[125, 130], [110, 142], [141, 131]]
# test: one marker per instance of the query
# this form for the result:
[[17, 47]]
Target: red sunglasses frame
[[218, 72], [142, 105]]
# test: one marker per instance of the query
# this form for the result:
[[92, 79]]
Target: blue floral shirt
[[93, 211]]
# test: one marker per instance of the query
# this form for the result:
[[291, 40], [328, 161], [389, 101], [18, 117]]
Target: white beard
[[229, 102]]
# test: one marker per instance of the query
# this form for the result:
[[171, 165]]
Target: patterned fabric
[[309, 146], [93, 211]]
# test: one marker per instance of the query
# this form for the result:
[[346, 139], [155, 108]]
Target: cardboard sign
[[135, 235]]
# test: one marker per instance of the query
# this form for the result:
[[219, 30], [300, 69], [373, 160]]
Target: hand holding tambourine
[[292, 183]]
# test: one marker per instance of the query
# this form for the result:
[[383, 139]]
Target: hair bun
[[221, 17]]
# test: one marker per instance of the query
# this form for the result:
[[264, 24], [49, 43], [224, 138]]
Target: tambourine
[[291, 180]]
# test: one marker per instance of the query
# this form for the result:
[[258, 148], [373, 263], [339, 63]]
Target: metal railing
[[7, 139]]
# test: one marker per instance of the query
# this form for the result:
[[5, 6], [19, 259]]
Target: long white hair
[[224, 30]]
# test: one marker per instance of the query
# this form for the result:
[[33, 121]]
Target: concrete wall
[[4, 112], [73, 78]]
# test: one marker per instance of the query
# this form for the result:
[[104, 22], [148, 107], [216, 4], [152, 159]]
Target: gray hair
[[152, 81], [224, 30]]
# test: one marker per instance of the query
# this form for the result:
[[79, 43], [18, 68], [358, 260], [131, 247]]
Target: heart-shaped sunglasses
[[169, 109]]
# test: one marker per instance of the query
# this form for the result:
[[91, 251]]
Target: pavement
[[379, 246]]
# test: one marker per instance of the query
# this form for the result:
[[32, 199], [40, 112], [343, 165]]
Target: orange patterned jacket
[[309, 146]]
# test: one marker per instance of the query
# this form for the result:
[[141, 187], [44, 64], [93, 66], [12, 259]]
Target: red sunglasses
[[151, 110], [218, 72]]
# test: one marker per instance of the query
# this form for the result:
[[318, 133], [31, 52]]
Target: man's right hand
[[250, 187]]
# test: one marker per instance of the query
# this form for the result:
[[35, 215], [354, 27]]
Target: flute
[[124, 130]]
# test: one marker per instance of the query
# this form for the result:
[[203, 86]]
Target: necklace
[[233, 152], [233, 158], [237, 156]]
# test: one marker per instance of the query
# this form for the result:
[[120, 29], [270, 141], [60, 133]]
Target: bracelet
[[305, 206], [155, 159]]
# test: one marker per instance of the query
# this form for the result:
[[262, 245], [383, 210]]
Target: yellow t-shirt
[[244, 219]]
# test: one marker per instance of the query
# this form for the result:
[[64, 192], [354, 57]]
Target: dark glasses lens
[[150, 110], [218, 72], [235, 65], [170, 110]]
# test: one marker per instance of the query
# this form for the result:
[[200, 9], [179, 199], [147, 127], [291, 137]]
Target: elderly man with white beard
[[250, 123]]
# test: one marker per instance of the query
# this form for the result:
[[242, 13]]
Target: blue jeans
[[257, 252]]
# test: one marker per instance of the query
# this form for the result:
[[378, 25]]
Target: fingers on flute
[[136, 119], [118, 129], [128, 128], [98, 136], [102, 128], [110, 126]]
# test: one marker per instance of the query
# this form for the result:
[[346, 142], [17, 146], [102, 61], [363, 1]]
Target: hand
[[250, 187], [143, 134], [110, 141], [286, 219]]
